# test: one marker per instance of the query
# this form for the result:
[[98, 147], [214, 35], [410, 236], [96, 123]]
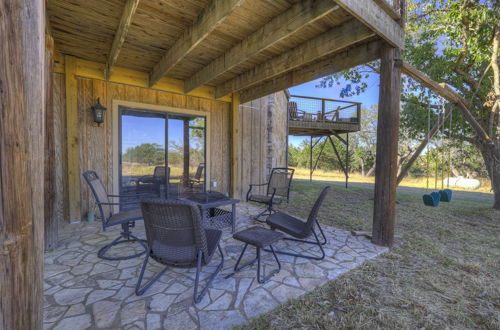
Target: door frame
[[159, 108]]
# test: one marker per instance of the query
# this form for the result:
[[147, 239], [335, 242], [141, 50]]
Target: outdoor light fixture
[[98, 111]]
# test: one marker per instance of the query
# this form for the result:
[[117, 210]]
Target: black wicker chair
[[277, 191], [176, 238], [125, 218], [301, 230], [161, 176]]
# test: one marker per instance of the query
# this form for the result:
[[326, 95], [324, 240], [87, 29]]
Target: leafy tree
[[146, 153], [455, 42]]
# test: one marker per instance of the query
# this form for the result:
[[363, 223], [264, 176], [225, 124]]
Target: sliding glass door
[[161, 154]]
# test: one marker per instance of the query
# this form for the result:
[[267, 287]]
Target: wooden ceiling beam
[[209, 19], [121, 34], [280, 27], [325, 44], [376, 18], [347, 59], [386, 6]]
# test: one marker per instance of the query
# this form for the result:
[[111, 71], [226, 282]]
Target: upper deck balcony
[[313, 116]]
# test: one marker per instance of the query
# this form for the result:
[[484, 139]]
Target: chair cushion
[[124, 216], [258, 236], [288, 224], [260, 199]]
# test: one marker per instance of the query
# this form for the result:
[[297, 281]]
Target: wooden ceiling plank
[[347, 59], [209, 19], [325, 44], [280, 27], [120, 35], [376, 18]]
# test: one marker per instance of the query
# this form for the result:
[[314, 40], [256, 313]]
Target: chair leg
[[125, 237], [267, 212], [197, 298], [140, 291], [271, 274], [257, 258], [317, 242]]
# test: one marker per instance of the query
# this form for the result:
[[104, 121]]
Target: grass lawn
[[421, 182], [444, 271]]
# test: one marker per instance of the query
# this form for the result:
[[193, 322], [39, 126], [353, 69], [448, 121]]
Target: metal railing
[[315, 109]]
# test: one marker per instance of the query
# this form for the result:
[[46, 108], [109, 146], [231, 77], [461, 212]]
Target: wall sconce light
[[98, 111]]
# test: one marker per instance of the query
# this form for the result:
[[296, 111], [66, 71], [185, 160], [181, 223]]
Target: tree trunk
[[493, 168], [362, 161], [371, 171]]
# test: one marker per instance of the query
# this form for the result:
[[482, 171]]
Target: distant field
[[302, 173], [137, 169]]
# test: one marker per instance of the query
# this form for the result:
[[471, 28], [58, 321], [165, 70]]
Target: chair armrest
[[253, 185], [118, 196], [125, 203]]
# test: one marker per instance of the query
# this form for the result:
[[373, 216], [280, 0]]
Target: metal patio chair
[[277, 191], [301, 230], [176, 238], [161, 175], [109, 219], [198, 176]]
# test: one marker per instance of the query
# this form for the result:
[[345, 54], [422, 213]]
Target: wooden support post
[[235, 146], [384, 208], [22, 93], [185, 175], [52, 193], [73, 140]]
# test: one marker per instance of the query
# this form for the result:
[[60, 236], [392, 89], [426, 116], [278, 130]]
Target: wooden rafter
[[325, 44], [280, 27], [121, 34], [376, 18], [211, 17], [338, 62]]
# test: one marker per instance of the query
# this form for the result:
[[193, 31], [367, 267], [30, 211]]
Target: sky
[[368, 98]]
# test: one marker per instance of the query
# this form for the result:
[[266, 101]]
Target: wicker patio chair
[[161, 175], [176, 238], [301, 230], [277, 191], [109, 219]]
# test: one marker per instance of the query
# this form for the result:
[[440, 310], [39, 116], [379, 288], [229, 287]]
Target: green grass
[[442, 273]]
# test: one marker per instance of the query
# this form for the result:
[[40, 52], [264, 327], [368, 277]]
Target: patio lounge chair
[[176, 238], [125, 218], [277, 191], [161, 175], [301, 230]]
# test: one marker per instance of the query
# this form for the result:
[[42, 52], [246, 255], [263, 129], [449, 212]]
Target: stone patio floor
[[82, 291]]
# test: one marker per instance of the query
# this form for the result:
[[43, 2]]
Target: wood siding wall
[[96, 151], [262, 140], [262, 137]]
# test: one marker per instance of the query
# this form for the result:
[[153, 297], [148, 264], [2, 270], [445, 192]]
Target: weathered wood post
[[21, 162], [52, 188], [384, 208]]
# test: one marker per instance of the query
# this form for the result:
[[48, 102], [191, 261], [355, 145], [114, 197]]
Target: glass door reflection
[[161, 154], [143, 159]]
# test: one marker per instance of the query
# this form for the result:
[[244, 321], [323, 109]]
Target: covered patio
[[198, 62], [82, 291]]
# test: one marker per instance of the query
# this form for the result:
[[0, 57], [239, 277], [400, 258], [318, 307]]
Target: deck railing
[[315, 109]]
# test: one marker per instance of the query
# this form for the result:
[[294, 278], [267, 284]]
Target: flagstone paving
[[82, 291]]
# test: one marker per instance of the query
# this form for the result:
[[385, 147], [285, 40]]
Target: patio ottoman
[[260, 238]]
